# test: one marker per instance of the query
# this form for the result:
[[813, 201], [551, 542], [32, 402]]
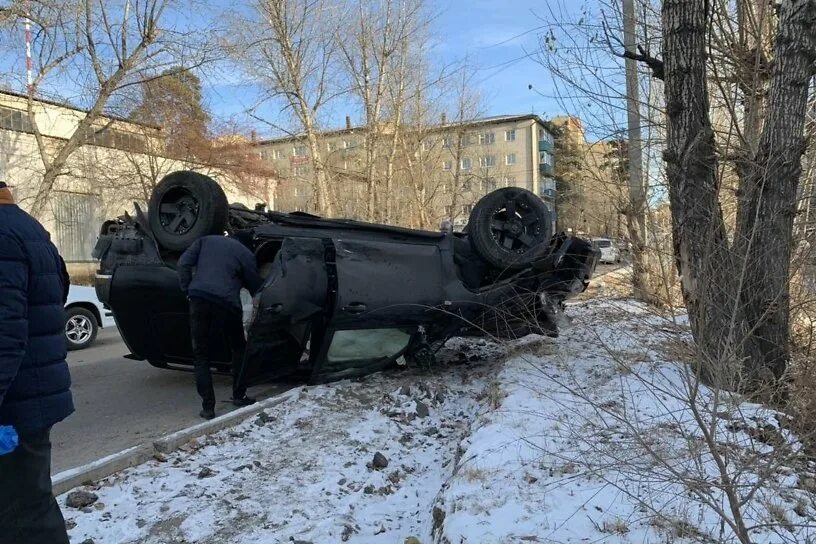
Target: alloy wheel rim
[[78, 329]]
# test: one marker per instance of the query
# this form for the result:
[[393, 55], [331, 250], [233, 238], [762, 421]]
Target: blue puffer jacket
[[222, 266], [34, 379]]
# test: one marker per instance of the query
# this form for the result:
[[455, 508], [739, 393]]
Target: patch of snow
[[304, 470], [594, 440]]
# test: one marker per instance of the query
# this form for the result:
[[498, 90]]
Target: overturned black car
[[341, 298]]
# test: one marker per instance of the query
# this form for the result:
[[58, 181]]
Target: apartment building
[[443, 168], [118, 164]]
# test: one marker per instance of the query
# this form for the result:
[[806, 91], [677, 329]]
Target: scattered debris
[[80, 499], [380, 461], [206, 472]]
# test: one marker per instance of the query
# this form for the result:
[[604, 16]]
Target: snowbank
[[594, 440]]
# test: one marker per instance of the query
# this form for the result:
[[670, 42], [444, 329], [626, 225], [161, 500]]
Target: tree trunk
[[635, 217], [702, 253], [764, 235]]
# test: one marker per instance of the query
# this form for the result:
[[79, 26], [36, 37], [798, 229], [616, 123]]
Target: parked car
[[341, 297], [84, 316], [609, 251]]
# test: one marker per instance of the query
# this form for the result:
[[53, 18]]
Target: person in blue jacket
[[212, 272], [34, 380]]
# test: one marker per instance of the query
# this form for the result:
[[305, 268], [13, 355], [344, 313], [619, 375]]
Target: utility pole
[[636, 220]]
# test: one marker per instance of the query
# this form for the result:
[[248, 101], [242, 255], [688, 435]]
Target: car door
[[293, 296], [385, 290]]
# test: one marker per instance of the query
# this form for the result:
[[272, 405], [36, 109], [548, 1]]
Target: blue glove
[[8, 439]]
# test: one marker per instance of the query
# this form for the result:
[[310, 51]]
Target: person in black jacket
[[222, 266], [34, 380]]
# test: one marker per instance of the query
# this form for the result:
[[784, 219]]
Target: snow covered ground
[[303, 471], [584, 438], [595, 440]]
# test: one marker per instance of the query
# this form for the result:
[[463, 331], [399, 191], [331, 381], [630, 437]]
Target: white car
[[84, 316], [609, 252]]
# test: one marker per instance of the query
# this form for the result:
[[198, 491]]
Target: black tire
[[184, 207], [510, 228], [80, 328]]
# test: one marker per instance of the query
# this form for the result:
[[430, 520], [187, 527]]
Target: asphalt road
[[122, 403]]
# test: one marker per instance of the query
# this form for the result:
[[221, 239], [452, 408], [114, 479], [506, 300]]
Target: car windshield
[[601, 243]]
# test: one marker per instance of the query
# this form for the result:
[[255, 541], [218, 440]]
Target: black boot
[[207, 413], [242, 400]]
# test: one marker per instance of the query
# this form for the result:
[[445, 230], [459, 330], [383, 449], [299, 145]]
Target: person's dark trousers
[[28, 510], [210, 320]]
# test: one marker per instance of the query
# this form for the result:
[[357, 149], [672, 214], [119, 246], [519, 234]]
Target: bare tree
[[99, 48], [737, 296], [591, 57], [373, 49], [290, 46]]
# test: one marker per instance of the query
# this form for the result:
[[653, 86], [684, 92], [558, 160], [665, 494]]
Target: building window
[[509, 181], [446, 141], [487, 138], [466, 163], [545, 135], [510, 159], [489, 184], [425, 145], [447, 165], [263, 155], [349, 144], [331, 146], [15, 120], [544, 157], [108, 137], [277, 154], [488, 161], [467, 208], [510, 135], [299, 171], [465, 139], [299, 151]]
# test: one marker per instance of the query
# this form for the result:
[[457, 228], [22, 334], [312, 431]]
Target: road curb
[[136, 455], [172, 441]]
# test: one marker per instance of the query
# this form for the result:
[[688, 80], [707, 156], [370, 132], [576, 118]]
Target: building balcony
[[545, 169], [544, 145]]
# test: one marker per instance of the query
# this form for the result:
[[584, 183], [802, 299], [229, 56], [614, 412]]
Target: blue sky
[[493, 36]]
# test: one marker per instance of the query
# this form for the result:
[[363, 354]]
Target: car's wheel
[[185, 206], [510, 228], [80, 328]]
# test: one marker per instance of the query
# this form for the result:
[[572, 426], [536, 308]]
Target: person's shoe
[[243, 401], [207, 413]]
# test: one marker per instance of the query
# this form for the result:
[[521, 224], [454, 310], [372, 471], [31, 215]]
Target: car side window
[[368, 344]]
